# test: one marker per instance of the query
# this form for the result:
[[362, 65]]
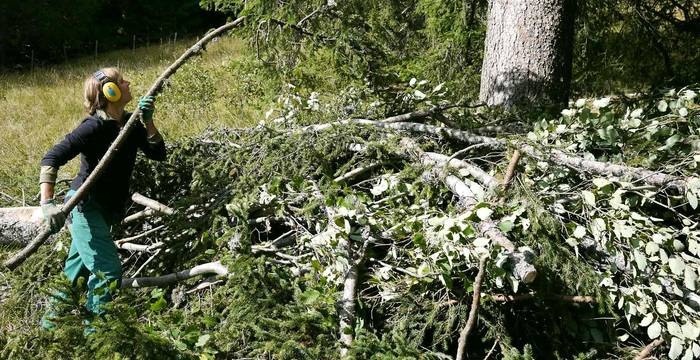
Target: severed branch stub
[[152, 204], [510, 171]]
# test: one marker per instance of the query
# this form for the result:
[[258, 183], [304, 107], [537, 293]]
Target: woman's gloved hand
[[147, 107], [53, 215]]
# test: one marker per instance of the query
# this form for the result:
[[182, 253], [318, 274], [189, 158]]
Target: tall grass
[[38, 108]]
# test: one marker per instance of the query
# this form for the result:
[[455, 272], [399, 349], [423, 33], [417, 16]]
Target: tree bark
[[528, 53], [19, 224]]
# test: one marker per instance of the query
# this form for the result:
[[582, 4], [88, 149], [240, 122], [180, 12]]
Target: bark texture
[[528, 52], [18, 225]]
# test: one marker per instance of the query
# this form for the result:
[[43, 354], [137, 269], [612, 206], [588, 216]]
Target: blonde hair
[[92, 90]]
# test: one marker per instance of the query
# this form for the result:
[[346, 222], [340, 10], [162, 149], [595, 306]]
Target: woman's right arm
[[72, 145]]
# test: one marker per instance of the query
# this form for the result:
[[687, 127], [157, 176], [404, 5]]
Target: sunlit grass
[[38, 108]]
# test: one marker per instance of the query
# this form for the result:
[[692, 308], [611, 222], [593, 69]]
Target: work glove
[[147, 107], [53, 215]]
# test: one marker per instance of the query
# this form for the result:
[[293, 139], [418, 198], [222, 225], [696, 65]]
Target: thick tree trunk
[[528, 53]]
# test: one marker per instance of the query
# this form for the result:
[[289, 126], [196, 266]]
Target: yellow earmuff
[[110, 90]]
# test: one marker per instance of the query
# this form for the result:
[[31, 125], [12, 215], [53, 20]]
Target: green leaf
[[670, 142], [690, 331], [640, 259], [159, 305], [692, 199], [588, 197], [654, 330], [662, 308], [677, 265], [662, 106], [484, 213], [309, 297], [601, 182], [674, 329], [202, 340], [646, 321], [676, 348], [180, 345], [506, 226]]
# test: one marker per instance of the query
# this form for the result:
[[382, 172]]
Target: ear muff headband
[[110, 90]]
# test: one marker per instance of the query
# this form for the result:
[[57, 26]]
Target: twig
[[646, 352], [209, 282], [492, 349], [312, 14], [146, 262], [347, 302], [461, 135], [208, 268], [357, 172], [145, 233], [8, 197], [31, 248], [647, 176], [510, 171], [482, 176], [558, 157], [462, 344], [347, 310]]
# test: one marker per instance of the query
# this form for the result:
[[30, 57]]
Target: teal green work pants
[[92, 256]]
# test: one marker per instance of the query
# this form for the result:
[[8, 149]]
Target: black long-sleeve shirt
[[91, 139]]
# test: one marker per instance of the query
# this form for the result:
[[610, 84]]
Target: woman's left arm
[[153, 146]]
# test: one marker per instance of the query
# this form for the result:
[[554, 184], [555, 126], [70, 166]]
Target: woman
[[93, 254]]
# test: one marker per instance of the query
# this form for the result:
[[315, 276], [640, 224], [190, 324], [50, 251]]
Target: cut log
[[19, 225]]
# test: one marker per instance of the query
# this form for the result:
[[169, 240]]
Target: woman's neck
[[116, 113]]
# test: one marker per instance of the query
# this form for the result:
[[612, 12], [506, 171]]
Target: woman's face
[[126, 92]]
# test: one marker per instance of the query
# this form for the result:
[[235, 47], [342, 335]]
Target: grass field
[[38, 108]]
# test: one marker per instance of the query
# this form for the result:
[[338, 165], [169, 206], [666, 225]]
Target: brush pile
[[385, 237]]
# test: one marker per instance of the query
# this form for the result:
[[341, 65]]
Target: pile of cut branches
[[407, 236]]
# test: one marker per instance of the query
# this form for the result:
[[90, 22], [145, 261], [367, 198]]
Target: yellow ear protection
[[109, 88]]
